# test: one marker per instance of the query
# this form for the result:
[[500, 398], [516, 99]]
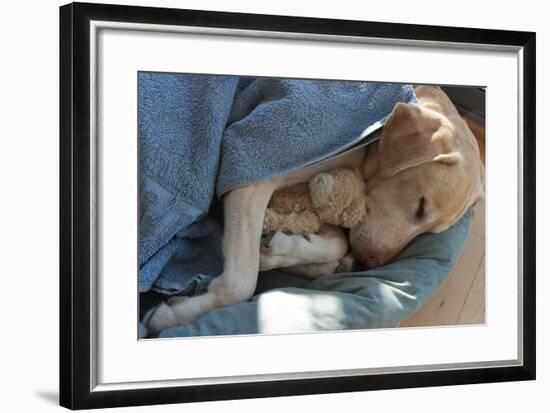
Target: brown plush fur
[[336, 197]]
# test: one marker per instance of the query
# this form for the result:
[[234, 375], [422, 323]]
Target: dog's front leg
[[244, 210]]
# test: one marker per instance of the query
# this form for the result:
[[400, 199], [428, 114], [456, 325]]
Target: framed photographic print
[[258, 206]]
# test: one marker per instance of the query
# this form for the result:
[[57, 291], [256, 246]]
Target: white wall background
[[29, 207]]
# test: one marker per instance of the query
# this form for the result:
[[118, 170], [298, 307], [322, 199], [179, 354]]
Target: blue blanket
[[203, 135]]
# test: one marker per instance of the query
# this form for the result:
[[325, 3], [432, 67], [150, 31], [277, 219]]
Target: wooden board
[[461, 299]]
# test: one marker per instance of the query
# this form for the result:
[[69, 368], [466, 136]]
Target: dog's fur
[[421, 177]]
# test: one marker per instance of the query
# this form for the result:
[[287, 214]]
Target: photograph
[[269, 205], [279, 206], [275, 206]]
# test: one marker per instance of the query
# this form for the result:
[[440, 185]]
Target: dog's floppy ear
[[413, 136]]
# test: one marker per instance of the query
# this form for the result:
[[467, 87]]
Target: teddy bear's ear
[[321, 188], [411, 136]]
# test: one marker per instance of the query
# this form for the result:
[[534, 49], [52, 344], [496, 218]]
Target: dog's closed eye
[[421, 209]]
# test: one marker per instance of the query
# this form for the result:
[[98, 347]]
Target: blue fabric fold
[[204, 135]]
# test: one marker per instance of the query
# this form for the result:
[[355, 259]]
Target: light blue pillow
[[377, 298]]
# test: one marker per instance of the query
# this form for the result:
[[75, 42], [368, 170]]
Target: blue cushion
[[377, 298]]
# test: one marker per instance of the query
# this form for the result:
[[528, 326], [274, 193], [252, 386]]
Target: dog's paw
[[163, 317], [269, 262], [278, 243], [285, 250]]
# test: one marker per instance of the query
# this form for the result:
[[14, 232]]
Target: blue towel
[[204, 135]]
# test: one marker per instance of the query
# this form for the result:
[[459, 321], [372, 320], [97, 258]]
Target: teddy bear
[[336, 197]]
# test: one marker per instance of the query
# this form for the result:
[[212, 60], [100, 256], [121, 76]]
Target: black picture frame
[[75, 219]]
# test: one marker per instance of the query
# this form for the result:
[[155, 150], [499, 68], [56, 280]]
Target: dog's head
[[421, 177]]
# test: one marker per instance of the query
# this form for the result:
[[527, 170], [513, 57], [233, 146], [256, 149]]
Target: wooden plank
[[478, 220], [479, 133], [447, 304], [478, 225], [474, 307]]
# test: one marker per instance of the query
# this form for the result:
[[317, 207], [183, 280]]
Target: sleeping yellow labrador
[[421, 176]]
